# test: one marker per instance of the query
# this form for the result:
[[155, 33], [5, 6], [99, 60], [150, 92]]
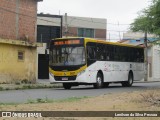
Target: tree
[[148, 20]]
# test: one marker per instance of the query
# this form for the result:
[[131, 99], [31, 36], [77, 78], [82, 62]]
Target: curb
[[6, 87], [145, 81]]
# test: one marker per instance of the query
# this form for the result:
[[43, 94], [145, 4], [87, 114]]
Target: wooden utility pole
[[146, 56], [66, 25], [119, 32]]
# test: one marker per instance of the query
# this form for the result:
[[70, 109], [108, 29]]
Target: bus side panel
[[105, 67], [138, 69], [107, 71], [83, 78], [117, 72], [92, 73], [112, 71]]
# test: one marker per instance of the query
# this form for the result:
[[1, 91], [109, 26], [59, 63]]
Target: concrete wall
[[86, 22], [18, 26], [44, 21], [156, 62], [41, 50], [98, 24], [12, 69], [18, 22], [82, 22], [98, 33]]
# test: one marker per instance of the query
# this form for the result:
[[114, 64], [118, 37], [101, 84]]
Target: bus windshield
[[67, 55]]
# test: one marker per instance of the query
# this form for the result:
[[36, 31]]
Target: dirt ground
[[148, 100]]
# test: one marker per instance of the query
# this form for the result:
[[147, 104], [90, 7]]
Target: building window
[[86, 32], [21, 55]]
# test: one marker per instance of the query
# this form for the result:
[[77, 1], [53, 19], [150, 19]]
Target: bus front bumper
[[72, 79]]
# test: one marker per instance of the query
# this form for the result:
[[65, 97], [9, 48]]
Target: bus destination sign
[[67, 42]]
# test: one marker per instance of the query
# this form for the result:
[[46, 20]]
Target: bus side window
[[100, 52], [128, 54], [91, 53], [137, 56], [107, 52], [123, 58], [107, 56], [117, 53], [141, 55], [131, 57], [110, 51]]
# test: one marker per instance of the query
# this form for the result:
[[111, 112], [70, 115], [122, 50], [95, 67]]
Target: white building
[[76, 26], [154, 62]]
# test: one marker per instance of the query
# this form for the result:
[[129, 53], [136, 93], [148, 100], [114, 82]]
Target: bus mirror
[[46, 52]]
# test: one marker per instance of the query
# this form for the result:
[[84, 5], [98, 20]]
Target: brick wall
[[100, 33], [73, 31], [18, 26]]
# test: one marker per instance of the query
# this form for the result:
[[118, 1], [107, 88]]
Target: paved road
[[22, 96]]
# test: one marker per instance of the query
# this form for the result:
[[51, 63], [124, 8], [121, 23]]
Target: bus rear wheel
[[99, 81], [67, 86], [129, 82], [105, 85]]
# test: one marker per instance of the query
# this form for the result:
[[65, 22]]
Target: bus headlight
[[80, 73], [51, 75]]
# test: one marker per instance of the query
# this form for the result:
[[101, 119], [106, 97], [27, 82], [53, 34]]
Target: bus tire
[[99, 81], [67, 86], [129, 82], [105, 85]]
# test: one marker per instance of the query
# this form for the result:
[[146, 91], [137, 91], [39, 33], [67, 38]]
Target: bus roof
[[100, 41]]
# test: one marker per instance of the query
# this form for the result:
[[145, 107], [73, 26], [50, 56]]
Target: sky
[[115, 11]]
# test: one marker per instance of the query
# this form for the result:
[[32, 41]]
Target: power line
[[27, 15], [73, 18], [118, 24], [116, 31], [97, 22], [57, 22]]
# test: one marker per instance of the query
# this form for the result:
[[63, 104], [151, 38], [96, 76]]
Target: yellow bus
[[87, 61]]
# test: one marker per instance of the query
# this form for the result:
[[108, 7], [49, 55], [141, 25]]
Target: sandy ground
[[148, 100]]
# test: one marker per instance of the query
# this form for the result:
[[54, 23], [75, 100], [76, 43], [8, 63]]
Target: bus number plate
[[64, 78]]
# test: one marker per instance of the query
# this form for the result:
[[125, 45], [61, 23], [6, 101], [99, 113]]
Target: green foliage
[[140, 24], [149, 19], [46, 100], [1, 88], [17, 83], [40, 100], [72, 99], [24, 81]]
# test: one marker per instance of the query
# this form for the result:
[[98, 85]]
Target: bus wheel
[[129, 82], [99, 81], [105, 85], [67, 86]]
